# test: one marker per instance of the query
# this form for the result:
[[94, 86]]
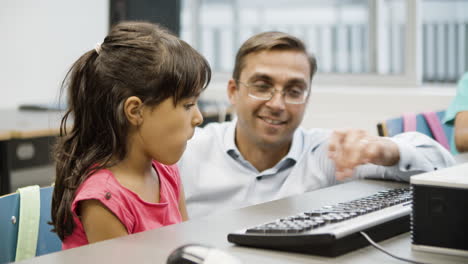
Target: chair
[[40, 230], [428, 123]]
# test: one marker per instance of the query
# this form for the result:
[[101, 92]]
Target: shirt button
[[259, 178], [408, 166], [108, 195]]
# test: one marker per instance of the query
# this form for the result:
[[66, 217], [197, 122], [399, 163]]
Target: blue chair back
[[394, 126], [47, 241]]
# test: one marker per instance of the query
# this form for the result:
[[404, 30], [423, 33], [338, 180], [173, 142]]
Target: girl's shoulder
[[100, 177], [99, 183], [105, 188]]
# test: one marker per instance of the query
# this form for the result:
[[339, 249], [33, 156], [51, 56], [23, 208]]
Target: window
[[445, 39], [355, 41]]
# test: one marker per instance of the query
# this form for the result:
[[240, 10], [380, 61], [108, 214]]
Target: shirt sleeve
[[459, 102], [418, 154], [98, 188]]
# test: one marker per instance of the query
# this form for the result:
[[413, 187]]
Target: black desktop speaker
[[163, 12], [440, 211]]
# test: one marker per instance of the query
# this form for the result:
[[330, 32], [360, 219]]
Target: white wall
[[40, 40], [346, 107]]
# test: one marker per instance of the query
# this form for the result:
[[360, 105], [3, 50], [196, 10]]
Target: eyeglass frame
[[272, 93]]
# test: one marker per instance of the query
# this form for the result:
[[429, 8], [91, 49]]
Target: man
[[457, 116], [264, 155]]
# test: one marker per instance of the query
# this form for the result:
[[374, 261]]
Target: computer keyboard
[[334, 230]]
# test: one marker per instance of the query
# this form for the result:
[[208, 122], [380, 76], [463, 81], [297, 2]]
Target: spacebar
[[362, 222]]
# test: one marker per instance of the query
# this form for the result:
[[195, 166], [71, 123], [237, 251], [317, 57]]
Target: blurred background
[[359, 42], [347, 36], [377, 59]]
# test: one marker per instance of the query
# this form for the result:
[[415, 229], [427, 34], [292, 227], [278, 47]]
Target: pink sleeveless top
[[134, 213]]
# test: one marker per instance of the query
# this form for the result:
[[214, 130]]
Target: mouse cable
[[388, 253]]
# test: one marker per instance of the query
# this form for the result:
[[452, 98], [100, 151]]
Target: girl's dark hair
[[136, 59]]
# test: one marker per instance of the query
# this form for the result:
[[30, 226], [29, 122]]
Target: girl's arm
[[182, 206], [99, 223], [461, 131]]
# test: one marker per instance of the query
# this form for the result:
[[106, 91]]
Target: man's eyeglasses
[[292, 94]]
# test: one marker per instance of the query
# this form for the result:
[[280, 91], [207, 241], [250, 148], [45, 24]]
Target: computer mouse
[[200, 254]]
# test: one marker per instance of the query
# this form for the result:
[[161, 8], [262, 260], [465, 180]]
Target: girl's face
[[166, 128]]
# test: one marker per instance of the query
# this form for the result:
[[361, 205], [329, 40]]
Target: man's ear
[[232, 90], [133, 109]]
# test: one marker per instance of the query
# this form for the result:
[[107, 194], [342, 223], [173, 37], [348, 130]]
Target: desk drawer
[[30, 152]]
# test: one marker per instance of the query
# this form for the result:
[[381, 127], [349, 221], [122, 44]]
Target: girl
[[133, 100]]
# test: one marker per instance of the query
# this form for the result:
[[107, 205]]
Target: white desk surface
[[155, 246], [461, 158]]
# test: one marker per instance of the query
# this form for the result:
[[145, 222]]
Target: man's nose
[[277, 100]]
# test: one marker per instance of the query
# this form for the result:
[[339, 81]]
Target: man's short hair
[[272, 40]]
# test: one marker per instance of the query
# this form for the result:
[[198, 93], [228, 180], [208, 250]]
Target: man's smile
[[272, 121]]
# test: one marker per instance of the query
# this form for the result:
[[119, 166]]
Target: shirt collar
[[231, 148], [229, 139], [296, 145]]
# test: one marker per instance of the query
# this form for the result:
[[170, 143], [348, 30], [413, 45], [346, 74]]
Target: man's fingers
[[343, 174], [340, 175], [336, 139], [354, 145], [349, 149]]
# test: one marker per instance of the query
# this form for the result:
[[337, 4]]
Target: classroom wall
[[351, 107], [39, 40]]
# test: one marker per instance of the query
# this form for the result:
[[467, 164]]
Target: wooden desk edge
[[35, 133], [5, 136]]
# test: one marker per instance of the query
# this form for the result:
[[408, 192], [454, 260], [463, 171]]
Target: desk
[[26, 137], [25, 141], [155, 246], [461, 158]]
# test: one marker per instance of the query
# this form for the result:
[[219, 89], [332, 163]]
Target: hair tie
[[97, 48]]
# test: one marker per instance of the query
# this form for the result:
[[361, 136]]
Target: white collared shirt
[[216, 176]]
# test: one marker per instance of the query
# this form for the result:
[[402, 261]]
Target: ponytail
[[136, 59], [76, 153]]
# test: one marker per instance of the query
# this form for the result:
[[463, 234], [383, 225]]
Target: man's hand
[[352, 147]]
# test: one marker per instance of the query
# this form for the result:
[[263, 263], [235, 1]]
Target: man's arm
[[398, 158], [461, 131]]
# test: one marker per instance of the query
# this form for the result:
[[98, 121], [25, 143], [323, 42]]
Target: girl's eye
[[189, 106]]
